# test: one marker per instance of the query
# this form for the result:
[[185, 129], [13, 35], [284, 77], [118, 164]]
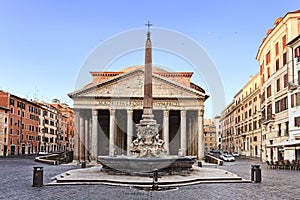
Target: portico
[[108, 110]]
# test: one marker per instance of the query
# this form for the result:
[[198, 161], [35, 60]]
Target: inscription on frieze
[[137, 103]]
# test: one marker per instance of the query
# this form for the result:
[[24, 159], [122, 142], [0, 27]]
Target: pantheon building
[[108, 109]]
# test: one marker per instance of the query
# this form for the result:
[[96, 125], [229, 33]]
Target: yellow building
[[275, 73], [241, 131]]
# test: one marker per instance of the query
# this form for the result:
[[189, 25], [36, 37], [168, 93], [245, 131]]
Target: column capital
[[201, 112], [130, 112], [183, 112], [94, 112], [112, 111], [166, 113]]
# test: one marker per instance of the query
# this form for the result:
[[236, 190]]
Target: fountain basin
[[146, 166]]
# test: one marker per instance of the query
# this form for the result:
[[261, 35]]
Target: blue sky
[[43, 44]]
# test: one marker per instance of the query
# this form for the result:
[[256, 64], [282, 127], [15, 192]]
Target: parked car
[[228, 157], [222, 156], [235, 154], [42, 153]]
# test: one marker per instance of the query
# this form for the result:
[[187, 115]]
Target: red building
[[22, 124]]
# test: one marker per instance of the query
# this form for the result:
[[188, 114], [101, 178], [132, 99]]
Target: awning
[[285, 144]]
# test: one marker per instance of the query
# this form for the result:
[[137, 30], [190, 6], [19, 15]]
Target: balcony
[[294, 84], [270, 118]]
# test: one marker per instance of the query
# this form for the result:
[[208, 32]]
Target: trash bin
[[199, 164], [255, 173], [38, 176]]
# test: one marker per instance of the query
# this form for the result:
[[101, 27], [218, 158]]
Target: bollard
[[155, 177], [255, 173], [199, 164], [83, 164], [37, 177]]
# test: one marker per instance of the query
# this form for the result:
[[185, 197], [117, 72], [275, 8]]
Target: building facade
[[228, 128], [247, 119], [292, 150], [210, 135], [28, 127], [22, 128], [111, 106], [275, 73], [65, 125], [217, 121], [241, 130]]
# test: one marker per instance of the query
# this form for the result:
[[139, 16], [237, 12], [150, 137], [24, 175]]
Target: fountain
[[148, 153]]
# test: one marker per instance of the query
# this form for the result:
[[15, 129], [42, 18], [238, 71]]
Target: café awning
[[294, 143]]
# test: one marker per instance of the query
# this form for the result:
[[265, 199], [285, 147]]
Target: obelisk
[[148, 117], [147, 144]]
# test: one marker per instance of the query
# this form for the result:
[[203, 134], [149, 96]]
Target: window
[[284, 104], [278, 85], [276, 49], [11, 121], [268, 91], [268, 71], [287, 128], [277, 64], [254, 138], [263, 97], [285, 80], [279, 130], [297, 121], [269, 112], [284, 59], [268, 58], [283, 42], [297, 97], [293, 100], [297, 53], [277, 106], [12, 102]]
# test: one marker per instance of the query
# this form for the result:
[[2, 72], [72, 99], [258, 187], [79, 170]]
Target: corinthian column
[[129, 130], [76, 135], [200, 134], [94, 142], [81, 136], [166, 130], [112, 133], [183, 131]]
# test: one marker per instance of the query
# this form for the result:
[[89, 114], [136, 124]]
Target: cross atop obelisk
[[148, 24]]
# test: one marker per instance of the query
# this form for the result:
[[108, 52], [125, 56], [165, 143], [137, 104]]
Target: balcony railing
[[294, 84], [268, 119]]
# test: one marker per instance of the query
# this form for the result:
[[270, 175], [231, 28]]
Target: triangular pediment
[[131, 84]]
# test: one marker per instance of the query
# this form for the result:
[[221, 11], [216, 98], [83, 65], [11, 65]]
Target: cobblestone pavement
[[16, 183]]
